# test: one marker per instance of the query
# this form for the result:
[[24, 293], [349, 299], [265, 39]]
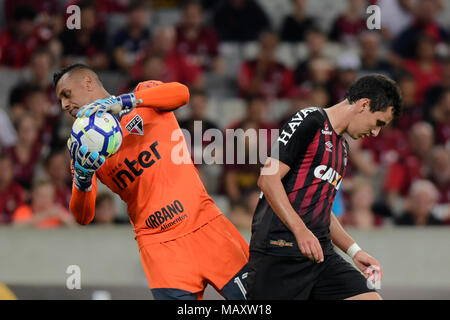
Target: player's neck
[[339, 116], [102, 94]]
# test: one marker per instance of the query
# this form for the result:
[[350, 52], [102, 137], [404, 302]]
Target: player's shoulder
[[147, 84], [311, 116]]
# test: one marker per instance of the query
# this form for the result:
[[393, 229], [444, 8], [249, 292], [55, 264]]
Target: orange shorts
[[212, 254]]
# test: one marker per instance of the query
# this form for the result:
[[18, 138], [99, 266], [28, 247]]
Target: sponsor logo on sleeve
[[293, 124]]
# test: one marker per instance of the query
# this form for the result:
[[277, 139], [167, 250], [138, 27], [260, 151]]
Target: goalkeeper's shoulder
[[163, 96]]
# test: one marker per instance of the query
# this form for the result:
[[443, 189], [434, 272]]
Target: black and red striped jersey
[[317, 157]]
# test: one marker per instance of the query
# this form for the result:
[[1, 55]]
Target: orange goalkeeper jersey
[[165, 199]]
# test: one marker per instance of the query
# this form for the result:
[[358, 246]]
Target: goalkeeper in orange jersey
[[185, 242]]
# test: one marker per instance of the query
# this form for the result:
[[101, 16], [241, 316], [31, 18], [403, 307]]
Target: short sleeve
[[296, 135]]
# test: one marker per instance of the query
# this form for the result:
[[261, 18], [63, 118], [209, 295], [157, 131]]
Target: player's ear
[[88, 82], [363, 104]]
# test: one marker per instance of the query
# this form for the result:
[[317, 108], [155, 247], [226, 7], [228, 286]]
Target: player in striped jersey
[[293, 230]]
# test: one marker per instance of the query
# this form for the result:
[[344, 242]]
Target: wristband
[[353, 249]]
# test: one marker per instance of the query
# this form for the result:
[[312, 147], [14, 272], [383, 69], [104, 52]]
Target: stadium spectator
[[43, 7], [87, 44], [12, 194], [348, 65], [412, 111], [19, 39], [316, 40], [8, 135], [240, 20], [422, 198], [304, 97], [425, 68], [46, 116], [240, 179], [40, 72], [58, 173], [195, 39], [350, 24], [371, 60], [424, 22], [44, 211], [198, 104], [440, 173], [130, 40], [38, 78], [434, 93], [105, 210], [25, 153], [176, 66], [299, 99], [361, 161], [397, 15], [49, 21], [264, 74], [296, 25], [410, 166], [440, 118], [360, 214]]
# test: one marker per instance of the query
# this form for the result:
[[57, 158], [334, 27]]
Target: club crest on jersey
[[326, 130], [136, 126]]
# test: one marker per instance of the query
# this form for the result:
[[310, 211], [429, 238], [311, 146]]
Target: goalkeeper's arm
[[162, 96], [82, 203], [154, 94]]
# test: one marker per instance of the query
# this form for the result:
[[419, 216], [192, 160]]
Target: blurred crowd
[[233, 56]]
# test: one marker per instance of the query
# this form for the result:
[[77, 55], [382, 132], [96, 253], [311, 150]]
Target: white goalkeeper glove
[[84, 164], [118, 105]]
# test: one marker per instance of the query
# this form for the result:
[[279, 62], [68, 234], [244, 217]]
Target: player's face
[[367, 123], [73, 93]]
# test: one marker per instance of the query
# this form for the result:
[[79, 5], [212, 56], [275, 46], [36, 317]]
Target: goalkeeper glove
[[84, 164], [121, 105]]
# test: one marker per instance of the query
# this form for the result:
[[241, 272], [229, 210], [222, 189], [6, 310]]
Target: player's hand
[[309, 245], [117, 105], [84, 164], [369, 266]]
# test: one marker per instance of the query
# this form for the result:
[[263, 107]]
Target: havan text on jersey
[[296, 120]]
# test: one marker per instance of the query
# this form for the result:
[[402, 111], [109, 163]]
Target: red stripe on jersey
[[326, 188], [339, 168], [304, 168]]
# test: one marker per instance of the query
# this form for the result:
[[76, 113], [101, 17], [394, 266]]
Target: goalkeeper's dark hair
[[382, 92], [77, 66]]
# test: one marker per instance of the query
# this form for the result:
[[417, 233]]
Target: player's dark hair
[[77, 66], [382, 92]]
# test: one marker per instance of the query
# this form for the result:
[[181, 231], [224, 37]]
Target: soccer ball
[[102, 134]]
